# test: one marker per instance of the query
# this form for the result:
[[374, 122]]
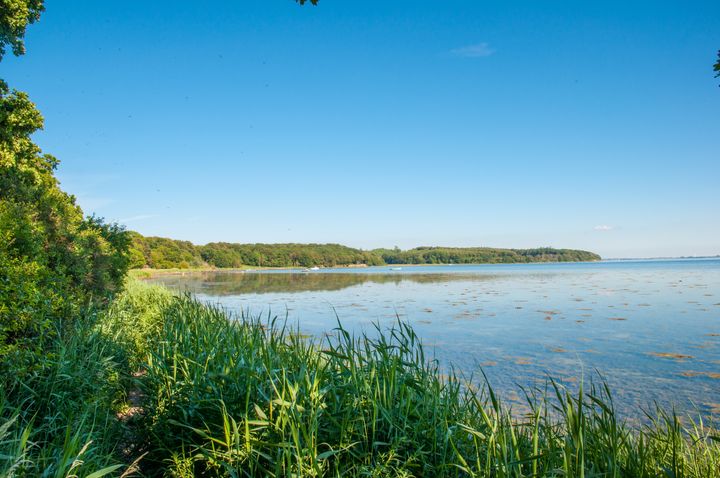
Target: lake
[[651, 327]]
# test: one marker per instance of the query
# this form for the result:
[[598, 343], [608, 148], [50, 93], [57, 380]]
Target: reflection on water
[[652, 328], [232, 283]]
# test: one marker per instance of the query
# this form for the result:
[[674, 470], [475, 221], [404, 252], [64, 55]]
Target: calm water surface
[[651, 328]]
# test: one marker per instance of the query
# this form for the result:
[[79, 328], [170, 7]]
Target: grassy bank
[[176, 385]]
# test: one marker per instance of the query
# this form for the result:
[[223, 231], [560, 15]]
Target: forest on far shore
[[164, 253]]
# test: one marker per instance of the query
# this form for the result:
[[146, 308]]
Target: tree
[[54, 261], [15, 16], [717, 66]]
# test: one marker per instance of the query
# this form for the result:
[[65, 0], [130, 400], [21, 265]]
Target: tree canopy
[[53, 260], [163, 253], [15, 16]]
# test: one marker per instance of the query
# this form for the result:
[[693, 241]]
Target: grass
[[253, 397], [58, 419]]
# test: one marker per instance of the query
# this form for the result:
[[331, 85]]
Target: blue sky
[[589, 125]]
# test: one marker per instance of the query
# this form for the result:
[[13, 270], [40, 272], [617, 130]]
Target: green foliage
[[221, 254], [60, 420], [53, 260], [135, 318], [237, 396], [162, 253], [482, 255], [717, 66], [15, 16]]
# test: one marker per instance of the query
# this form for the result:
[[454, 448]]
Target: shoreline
[[148, 273]]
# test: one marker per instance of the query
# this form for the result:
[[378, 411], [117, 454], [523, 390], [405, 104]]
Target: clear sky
[[591, 125]]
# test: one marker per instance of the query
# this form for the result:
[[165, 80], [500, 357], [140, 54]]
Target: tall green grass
[[58, 419], [243, 396], [248, 397]]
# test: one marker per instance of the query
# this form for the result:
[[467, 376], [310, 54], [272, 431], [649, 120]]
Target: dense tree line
[[162, 253], [222, 254], [482, 255]]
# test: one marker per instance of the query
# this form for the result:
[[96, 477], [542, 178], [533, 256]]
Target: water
[[651, 328]]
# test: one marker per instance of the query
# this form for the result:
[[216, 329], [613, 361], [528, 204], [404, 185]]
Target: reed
[[58, 419], [244, 396], [226, 395]]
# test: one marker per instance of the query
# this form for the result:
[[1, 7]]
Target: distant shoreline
[[148, 273]]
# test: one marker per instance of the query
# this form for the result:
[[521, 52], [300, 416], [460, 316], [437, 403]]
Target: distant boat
[[314, 268], [396, 268]]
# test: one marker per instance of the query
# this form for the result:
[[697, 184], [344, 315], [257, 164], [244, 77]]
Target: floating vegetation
[[549, 312], [673, 356], [689, 373]]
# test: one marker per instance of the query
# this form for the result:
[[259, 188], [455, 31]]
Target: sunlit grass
[[251, 397], [58, 419], [245, 396]]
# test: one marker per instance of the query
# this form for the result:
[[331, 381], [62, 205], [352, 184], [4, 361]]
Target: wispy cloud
[[478, 50], [603, 227], [139, 217]]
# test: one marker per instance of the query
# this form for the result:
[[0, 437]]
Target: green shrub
[[53, 261]]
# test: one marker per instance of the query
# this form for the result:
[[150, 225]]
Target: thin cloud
[[603, 227], [478, 50]]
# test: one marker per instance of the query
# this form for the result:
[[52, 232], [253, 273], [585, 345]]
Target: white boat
[[314, 268], [396, 268]]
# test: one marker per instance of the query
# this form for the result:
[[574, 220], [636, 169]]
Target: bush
[[53, 261]]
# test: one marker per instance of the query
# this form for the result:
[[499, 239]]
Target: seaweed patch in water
[[671, 355], [689, 373]]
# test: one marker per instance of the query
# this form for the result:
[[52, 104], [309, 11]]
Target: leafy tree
[[481, 255], [717, 66], [54, 262], [15, 16]]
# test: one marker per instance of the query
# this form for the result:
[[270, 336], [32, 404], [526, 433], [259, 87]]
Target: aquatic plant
[[245, 396]]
